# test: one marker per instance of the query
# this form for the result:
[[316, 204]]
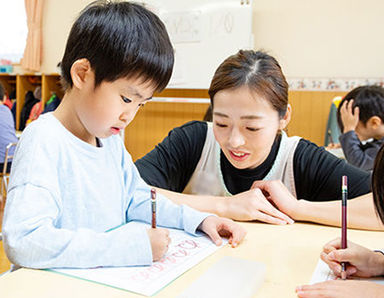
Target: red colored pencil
[[153, 204], [344, 197]]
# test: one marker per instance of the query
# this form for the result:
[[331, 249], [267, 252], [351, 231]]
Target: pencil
[[153, 204], [344, 197]]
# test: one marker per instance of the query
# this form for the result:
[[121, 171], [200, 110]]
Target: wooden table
[[290, 253]]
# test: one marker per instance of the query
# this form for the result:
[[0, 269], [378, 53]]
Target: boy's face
[[363, 131], [373, 128], [110, 107]]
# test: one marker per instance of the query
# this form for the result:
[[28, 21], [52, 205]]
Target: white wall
[[58, 17], [310, 38], [322, 38]]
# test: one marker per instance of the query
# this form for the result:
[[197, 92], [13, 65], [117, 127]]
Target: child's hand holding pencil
[[159, 238], [362, 262]]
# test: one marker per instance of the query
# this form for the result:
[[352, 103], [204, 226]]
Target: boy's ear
[[375, 122], [81, 72], [286, 118]]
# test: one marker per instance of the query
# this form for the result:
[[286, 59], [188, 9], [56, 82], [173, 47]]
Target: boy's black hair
[[2, 91], [119, 39], [369, 99]]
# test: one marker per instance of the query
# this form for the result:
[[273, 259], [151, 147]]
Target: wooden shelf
[[22, 83]]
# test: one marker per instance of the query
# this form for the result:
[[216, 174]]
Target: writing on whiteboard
[[183, 26], [221, 23]]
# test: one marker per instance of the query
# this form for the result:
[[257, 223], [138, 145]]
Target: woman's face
[[245, 125]]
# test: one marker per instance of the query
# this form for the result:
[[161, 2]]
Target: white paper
[[185, 251], [323, 273], [241, 278]]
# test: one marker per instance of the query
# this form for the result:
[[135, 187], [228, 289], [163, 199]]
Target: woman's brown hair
[[257, 70]]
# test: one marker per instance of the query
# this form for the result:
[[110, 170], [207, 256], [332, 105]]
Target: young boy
[[73, 185], [361, 117]]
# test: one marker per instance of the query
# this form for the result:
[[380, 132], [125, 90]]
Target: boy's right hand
[[160, 240], [362, 262], [349, 117]]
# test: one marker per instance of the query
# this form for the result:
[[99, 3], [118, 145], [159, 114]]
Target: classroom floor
[[4, 263]]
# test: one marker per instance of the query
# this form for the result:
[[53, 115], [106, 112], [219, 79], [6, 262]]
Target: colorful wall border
[[331, 84]]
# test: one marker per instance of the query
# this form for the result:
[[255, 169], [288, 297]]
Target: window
[[13, 24]]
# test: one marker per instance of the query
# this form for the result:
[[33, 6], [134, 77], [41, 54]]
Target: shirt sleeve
[[172, 162], [33, 234], [357, 155], [168, 213], [32, 238], [318, 174]]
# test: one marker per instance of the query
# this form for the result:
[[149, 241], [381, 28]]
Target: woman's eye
[[220, 124], [125, 99], [253, 129]]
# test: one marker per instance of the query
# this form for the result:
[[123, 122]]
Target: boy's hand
[[217, 227], [159, 242], [349, 118]]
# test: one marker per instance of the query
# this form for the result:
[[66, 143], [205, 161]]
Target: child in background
[[362, 262], [7, 129], [74, 186], [361, 117]]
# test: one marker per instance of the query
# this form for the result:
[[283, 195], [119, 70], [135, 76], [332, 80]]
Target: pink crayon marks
[[188, 244], [176, 255]]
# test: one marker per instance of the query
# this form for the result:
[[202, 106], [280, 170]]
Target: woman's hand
[[278, 194], [253, 205], [362, 262]]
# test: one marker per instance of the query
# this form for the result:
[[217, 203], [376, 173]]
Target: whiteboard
[[203, 33]]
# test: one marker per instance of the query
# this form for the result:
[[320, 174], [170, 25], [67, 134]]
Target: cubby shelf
[[22, 83]]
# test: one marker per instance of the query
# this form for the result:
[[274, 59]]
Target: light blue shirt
[[68, 203]]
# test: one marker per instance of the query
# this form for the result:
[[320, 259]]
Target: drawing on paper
[[184, 252]]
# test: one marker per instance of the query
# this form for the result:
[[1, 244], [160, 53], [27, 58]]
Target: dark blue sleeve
[[356, 154]]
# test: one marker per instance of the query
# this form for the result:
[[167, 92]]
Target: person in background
[[361, 118], [7, 102], [74, 188], [244, 166], [7, 130], [362, 262], [52, 104]]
